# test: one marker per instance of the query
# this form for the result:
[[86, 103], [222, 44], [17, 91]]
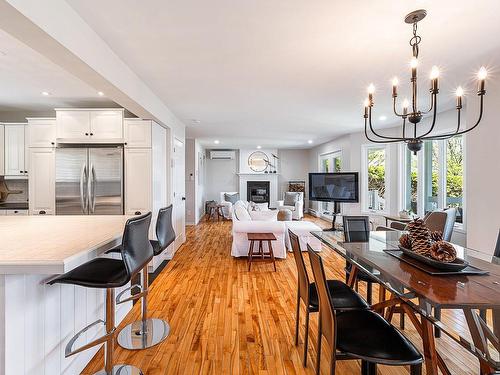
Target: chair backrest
[[442, 221], [164, 228], [303, 277], [136, 249], [497, 247], [326, 308], [356, 228], [397, 225]]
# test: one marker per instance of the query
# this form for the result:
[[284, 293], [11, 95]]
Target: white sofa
[[297, 209]]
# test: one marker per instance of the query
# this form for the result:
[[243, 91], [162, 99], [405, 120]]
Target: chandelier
[[411, 113]]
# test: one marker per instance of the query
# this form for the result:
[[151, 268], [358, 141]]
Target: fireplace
[[258, 191]]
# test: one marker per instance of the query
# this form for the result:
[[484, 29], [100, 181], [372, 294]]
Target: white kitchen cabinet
[[137, 133], [16, 212], [72, 124], [41, 132], [15, 150], [138, 181], [2, 150], [42, 181], [106, 125]]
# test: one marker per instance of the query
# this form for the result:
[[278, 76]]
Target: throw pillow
[[291, 198], [241, 213], [233, 198], [261, 207]]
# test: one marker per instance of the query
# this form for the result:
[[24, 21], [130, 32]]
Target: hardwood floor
[[226, 320]]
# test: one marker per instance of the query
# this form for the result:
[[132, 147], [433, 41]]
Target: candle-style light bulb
[[434, 72], [406, 104], [395, 83], [371, 90], [481, 75], [459, 93], [366, 104], [434, 79], [413, 65]]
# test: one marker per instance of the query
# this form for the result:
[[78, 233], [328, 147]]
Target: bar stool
[[109, 274], [148, 332]]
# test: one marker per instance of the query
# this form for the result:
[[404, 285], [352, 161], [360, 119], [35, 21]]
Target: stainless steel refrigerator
[[89, 180]]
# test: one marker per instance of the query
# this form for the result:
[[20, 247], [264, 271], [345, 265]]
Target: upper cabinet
[[137, 133], [89, 125], [41, 132], [2, 150], [16, 162]]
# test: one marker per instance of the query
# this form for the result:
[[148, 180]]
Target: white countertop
[[55, 244]]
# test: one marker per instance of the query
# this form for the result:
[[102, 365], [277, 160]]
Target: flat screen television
[[334, 187]]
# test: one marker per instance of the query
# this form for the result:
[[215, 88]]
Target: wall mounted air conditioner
[[222, 155]]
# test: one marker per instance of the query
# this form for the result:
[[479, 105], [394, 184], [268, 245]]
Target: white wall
[[245, 153], [220, 175], [293, 165], [195, 181]]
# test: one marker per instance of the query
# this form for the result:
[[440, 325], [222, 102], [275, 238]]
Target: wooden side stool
[[264, 256]]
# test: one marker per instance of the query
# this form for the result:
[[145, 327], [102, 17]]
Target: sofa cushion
[[260, 207], [241, 213], [264, 215], [233, 198], [291, 208], [291, 198]]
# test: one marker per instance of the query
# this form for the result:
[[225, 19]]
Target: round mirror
[[258, 161]]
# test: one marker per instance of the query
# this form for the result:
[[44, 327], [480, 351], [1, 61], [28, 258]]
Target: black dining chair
[[359, 334], [357, 229], [496, 254], [345, 298]]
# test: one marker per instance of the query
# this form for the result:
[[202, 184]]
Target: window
[[433, 180], [375, 178], [329, 162]]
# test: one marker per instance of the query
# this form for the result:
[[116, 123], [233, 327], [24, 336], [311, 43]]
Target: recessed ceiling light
[[310, 141], [216, 141], [382, 118], [45, 93], [100, 93], [259, 147]]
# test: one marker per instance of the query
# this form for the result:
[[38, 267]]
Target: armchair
[[227, 207], [293, 201]]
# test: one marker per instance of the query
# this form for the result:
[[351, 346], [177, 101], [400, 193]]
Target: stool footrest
[[132, 297], [69, 351]]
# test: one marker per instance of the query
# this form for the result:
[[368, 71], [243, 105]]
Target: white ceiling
[[277, 73], [25, 74]]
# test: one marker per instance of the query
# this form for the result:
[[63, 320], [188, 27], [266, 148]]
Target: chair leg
[[368, 368], [306, 339], [482, 314], [110, 327], [333, 363], [437, 315], [416, 369], [369, 292], [402, 320], [297, 321], [318, 356]]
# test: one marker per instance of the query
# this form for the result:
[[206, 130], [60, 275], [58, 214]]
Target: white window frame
[[364, 178]]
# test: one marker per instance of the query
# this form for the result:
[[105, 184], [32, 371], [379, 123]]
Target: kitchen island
[[37, 320]]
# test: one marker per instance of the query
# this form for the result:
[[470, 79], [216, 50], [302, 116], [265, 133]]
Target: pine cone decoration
[[420, 237], [437, 235], [405, 241], [443, 251]]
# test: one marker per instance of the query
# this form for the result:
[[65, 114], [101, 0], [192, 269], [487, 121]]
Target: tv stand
[[336, 210]]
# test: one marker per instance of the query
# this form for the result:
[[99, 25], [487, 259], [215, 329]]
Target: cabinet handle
[[42, 212], [20, 171], [91, 133], [25, 171], [87, 134], [16, 211], [137, 212], [52, 143], [125, 143]]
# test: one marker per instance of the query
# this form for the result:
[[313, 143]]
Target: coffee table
[[264, 256]]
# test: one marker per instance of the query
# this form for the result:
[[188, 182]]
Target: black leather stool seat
[[343, 297], [157, 250], [97, 273], [383, 344]]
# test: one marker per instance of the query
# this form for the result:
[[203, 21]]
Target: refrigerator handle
[[83, 198], [92, 188]]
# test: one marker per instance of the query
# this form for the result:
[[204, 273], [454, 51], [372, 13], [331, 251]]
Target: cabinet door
[[42, 182], [106, 125], [14, 150], [41, 133], [137, 133], [16, 212], [137, 181], [2, 150], [73, 124]]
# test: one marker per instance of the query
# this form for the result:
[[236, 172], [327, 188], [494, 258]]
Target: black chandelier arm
[[433, 99], [397, 139], [394, 108], [404, 127], [378, 141], [450, 135], [434, 115]]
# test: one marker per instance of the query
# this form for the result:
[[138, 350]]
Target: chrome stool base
[[132, 336], [121, 370]]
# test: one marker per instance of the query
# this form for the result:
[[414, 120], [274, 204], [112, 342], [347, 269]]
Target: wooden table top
[[452, 291], [43, 244], [261, 237]]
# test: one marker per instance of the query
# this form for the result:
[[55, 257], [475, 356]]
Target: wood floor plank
[[226, 320]]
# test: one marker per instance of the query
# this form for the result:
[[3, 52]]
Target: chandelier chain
[[415, 41]]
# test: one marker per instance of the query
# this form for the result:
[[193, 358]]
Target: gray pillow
[[233, 198], [291, 198]]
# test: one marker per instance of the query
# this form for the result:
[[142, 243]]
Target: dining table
[[416, 292]]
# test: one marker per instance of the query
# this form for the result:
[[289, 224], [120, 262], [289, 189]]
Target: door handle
[[92, 182], [83, 198], [183, 198]]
